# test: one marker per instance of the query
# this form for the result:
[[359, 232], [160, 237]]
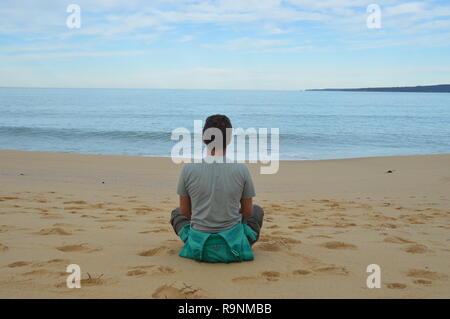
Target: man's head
[[213, 125]]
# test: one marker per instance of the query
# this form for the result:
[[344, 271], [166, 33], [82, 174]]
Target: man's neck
[[216, 152]]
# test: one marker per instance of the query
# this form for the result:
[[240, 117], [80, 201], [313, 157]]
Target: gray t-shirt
[[215, 190]]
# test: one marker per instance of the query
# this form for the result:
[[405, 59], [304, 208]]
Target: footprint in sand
[[74, 208], [265, 276], [319, 236], [156, 230], [53, 231], [157, 252], [338, 215], [109, 220], [136, 272], [302, 272], [63, 225], [396, 285], [397, 240], [387, 226], [271, 275], [58, 263], [244, 278], [144, 210], [50, 216], [425, 274], [332, 270], [269, 247], [44, 272], [116, 209], [423, 282], [172, 291], [280, 232], [149, 269], [276, 243], [280, 239], [19, 264], [77, 248], [3, 247], [338, 245], [2, 199], [344, 225], [96, 206], [95, 280], [76, 202], [111, 227], [416, 249]]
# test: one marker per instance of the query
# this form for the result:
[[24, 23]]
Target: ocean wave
[[63, 133], [286, 138], [137, 135]]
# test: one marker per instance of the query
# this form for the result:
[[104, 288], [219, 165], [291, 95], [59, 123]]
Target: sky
[[224, 44]]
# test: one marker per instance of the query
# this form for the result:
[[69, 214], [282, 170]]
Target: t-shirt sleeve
[[181, 188], [249, 188]]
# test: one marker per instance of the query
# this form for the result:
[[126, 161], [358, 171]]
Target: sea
[[311, 125]]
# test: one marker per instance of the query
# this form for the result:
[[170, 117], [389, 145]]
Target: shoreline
[[281, 160], [325, 222]]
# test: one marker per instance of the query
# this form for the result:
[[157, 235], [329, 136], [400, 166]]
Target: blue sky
[[224, 44]]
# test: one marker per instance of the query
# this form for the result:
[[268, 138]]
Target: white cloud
[[405, 8], [111, 17], [331, 4], [64, 55], [273, 29], [247, 43], [186, 38]]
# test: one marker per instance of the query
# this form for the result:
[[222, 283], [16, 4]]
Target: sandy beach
[[325, 222]]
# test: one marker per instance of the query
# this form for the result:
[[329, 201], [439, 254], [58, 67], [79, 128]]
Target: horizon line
[[216, 89]]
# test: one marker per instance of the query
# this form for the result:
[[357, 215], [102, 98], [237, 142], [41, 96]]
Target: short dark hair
[[221, 122]]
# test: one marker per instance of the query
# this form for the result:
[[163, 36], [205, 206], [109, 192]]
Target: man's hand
[[185, 206], [246, 207]]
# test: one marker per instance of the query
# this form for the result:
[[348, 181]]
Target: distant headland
[[441, 88]]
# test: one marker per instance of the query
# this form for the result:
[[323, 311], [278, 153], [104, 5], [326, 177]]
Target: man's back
[[215, 190]]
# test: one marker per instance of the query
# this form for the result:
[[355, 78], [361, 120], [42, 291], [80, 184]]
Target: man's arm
[[185, 206], [247, 194], [246, 207]]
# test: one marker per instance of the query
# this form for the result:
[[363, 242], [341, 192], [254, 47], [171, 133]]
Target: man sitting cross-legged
[[217, 219]]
